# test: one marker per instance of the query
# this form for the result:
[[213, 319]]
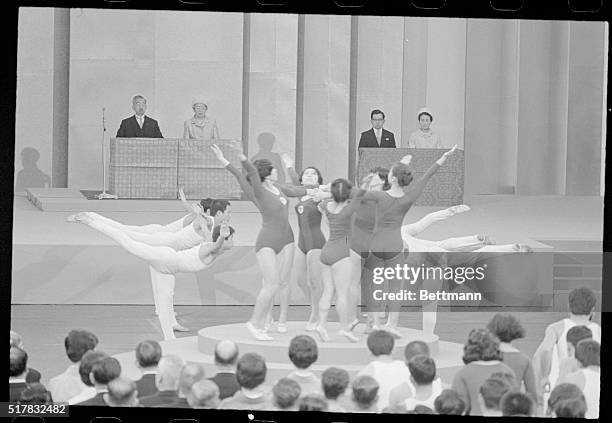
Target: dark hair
[[78, 342], [582, 301], [449, 402], [573, 408], [415, 348], [303, 351], [562, 392], [217, 232], [218, 206], [588, 352], [313, 402], [492, 390], [383, 174], [380, 342], [506, 327], [365, 391], [334, 382], [251, 370], [422, 369], [264, 168], [87, 362], [578, 333], [376, 112], [148, 353], [403, 174], [319, 174], [481, 345], [205, 203], [516, 404], [421, 409], [35, 393], [286, 392], [425, 113], [106, 370], [18, 361], [341, 190]]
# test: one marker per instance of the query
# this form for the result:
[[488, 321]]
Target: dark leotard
[[309, 222], [363, 228], [275, 231], [337, 246]]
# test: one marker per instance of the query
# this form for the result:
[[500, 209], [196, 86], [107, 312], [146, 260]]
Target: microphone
[[103, 119]]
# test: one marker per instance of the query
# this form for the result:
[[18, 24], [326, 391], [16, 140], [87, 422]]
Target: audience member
[[285, 394], [574, 408], [365, 394], [204, 394], [422, 374], [313, 402], [167, 383], [449, 403], [303, 352], [69, 384], [35, 393], [32, 375], [191, 373], [122, 392], [491, 392], [563, 392], [588, 377], [85, 368], [17, 373], [570, 364], [251, 375], [102, 373], [226, 356], [421, 409], [387, 371], [517, 404], [334, 382], [148, 354], [401, 392], [482, 357]]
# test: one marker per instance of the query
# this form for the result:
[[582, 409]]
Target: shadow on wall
[[266, 141], [31, 176]]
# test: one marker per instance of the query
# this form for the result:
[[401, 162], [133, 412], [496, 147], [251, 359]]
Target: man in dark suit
[[148, 354], [139, 125], [102, 373], [226, 357], [377, 137], [33, 375], [17, 373]]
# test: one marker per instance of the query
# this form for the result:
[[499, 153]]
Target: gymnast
[[165, 260], [335, 258], [274, 244], [307, 259]]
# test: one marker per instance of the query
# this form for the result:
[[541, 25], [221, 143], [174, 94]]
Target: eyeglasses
[[378, 120]]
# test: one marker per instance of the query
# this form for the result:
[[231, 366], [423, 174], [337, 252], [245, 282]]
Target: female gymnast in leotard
[[307, 259], [164, 260], [335, 258], [386, 247], [274, 244]]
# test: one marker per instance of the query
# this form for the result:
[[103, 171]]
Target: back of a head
[[365, 391], [422, 369], [340, 190], [421, 409], [403, 174], [286, 392], [89, 359], [573, 408], [577, 333], [121, 391], [582, 301], [16, 340], [206, 203], [383, 174], [450, 403], [313, 402], [106, 370], [492, 390], [78, 342], [204, 395], [563, 392], [218, 205], [251, 370], [508, 377], [506, 327], [516, 404], [481, 345], [226, 353], [334, 382], [415, 348], [148, 353], [169, 372], [588, 353], [35, 393], [190, 374], [303, 351], [264, 168], [18, 362], [380, 342]]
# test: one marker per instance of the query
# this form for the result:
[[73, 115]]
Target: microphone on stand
[[104, 195], [103, 119]]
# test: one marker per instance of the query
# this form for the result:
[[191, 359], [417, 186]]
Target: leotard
[[309, 222], [337, 246], [363, 228]]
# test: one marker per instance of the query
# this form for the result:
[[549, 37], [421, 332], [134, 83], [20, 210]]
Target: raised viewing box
[[445, 188]]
